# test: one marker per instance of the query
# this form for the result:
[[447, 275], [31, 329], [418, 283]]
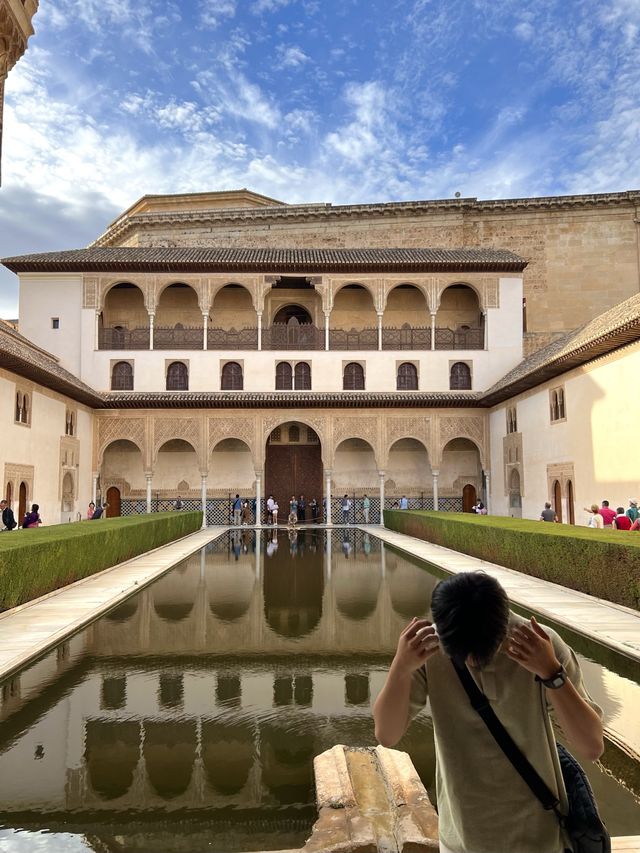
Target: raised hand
[[531, 647], [417, 643]]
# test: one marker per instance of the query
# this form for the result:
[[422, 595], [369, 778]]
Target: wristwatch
[[555, 681]]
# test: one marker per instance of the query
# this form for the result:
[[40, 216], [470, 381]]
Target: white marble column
[[258, 496], [433, 330], [487, 483], [259, 316], [94, 487], [381, 486], [327, 552], [379, 331], [327, 496], [485, 326], [97, 330], [326, 331], [435, 489], [149, 478], [152, 318], [205, 328], [203, 494]]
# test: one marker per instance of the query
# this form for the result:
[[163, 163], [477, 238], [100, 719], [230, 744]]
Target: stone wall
[[583, 251]]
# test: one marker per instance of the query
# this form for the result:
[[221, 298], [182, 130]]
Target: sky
[[311, 101]]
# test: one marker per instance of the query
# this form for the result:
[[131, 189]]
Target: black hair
[[620, 510], [35, 507], [605, 503], [471, 612]]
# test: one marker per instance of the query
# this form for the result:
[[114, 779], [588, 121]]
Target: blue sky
[[312, 101]]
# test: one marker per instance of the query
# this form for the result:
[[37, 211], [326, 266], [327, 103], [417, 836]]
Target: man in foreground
[[527, 673]]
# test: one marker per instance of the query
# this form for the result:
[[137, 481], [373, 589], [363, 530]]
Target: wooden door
[[22, 502], [293, 470], [113, 501], [557, 500], [468, 497]]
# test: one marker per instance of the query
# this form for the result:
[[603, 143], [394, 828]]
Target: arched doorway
[[67, 495], [9, 493], [469, 497], [113, 502], [22, 501], [570, 506], [293, 312], [515, 496], [409, 472], [557, 499], [293, 464]]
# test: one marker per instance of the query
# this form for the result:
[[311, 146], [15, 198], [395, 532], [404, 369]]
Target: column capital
[[435, 472], [204, 475], [327, 472]]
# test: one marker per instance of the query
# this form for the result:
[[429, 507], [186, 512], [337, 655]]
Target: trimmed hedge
[[603, 563], [34, 562]]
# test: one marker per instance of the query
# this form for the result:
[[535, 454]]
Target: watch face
[[558, 681]]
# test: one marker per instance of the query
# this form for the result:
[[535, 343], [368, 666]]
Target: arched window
[[122, 376], [19, 401], [284, 376], [407, 377], [177, 377], [69, 427], [460, 377], [25, 409], [294, 433], [561, 411], [303, 376], [353, 378], [232, 376]]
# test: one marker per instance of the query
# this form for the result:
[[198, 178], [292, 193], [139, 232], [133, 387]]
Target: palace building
[[218, 343]]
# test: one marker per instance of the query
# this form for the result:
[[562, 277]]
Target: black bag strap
[[529, 774]]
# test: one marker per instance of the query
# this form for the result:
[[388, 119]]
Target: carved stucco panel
[[418, 427], [472, 427], [242, 426], [320, 424], [187, 429], [119, 428], [365, 428]]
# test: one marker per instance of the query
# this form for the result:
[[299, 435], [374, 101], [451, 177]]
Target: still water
[[187, 719]]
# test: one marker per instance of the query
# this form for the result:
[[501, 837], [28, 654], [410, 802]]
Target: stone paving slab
[[610, 624], [27, 631]]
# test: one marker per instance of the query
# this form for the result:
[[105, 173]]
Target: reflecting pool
[[187, 718]]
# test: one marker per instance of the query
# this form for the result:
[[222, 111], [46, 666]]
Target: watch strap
[[550, 682]]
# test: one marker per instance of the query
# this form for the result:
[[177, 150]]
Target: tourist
[[527, 671], [272, 544], [246, 513], [237, 511], [633, 511], [346, 546], [98, 511], [302, 509], [8, 518], [293, 511], [177, 504], [548, 514], [622, 520], [315, 510], [346, 506], [270, 503], [91, 509], [366, 505], [595, 519], [636, 524], [481, 508], [32, 519], [274, 513], [404, 503], [607, 514]]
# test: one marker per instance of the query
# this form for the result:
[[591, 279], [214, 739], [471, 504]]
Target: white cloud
[[212, 12], [292, 57], [261, 6]]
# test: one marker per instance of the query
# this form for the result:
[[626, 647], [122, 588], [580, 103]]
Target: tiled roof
[[615, 328], [289, 399], [127, 259], [19, 355]]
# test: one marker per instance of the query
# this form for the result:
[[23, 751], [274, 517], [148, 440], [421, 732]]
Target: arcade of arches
[[434, 457]]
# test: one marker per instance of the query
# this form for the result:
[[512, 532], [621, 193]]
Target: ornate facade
[[15, 30]]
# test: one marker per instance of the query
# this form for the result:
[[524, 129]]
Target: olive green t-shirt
[[484, 805]]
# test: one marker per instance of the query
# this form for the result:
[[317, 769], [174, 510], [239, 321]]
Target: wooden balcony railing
[[365, 339], [118, 338], [232, 339], [287, 336], [460, 339], [170, 337], [406, 338]]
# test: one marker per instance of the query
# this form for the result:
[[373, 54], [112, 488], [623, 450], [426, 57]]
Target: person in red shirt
[[622, 521], [607, 514]]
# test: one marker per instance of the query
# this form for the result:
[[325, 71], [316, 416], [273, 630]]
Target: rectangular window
[[557, 407], [55, 322]]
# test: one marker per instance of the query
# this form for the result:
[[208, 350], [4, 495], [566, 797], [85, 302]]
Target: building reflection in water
[[212, 691]]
